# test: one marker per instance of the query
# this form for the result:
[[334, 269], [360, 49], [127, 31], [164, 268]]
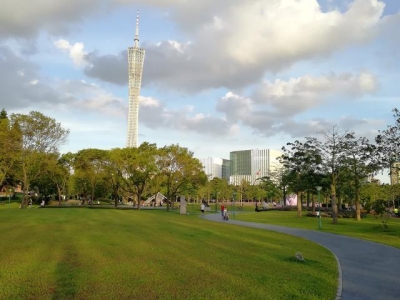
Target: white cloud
[[298, 94], [233, 44], [91, 99], [208, 47], [149, 102], [76, 51], [273, 107], [277, 33], [154, 114], [20, 18]]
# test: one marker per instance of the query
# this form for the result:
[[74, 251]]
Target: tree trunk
[[334, 205], [59, 195], [92, 197], [358, 206], [313, 203], [24, 200], [139, 196], [299, 205], [284, 197]]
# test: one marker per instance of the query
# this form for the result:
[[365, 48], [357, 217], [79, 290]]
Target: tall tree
[[299, 159], [59, 171], [219, 188], [272, 190], [360, 163], [10, 146], [90, 169], [137, 167], [388, 145], [180, 170], [40, 135], [333, 151]]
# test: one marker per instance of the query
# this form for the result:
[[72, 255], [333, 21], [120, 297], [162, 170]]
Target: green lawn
[[79, 253], [370, 228]]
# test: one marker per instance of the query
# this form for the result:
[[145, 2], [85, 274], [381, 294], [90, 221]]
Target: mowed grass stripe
[[120, 254]]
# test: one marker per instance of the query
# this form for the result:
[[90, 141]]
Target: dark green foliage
[[3, 114]]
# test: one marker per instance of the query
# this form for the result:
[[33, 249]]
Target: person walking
[[202, 208], [222, 210], [226, 216]]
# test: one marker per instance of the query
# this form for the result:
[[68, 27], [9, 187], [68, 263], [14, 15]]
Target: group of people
[[224, 211]]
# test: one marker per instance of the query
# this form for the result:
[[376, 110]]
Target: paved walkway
[[368, 270]]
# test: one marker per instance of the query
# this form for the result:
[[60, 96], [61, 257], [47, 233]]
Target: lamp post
[[9, 197], [319, 207], [233, 203], [216, 201], [284, 194]]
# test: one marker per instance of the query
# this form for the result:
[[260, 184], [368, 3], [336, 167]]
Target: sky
[[219, 76]]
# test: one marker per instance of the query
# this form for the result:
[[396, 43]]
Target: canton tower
[[135, 63]]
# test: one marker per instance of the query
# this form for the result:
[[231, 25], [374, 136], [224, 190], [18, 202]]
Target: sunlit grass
[[371, 228], [120, 254]]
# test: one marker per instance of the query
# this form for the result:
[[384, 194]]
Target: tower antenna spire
[[137, 30]]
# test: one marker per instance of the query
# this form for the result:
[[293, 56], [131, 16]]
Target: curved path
[[367, 270]]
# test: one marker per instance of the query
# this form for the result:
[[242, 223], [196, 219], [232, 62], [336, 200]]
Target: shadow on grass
[[66, 275]]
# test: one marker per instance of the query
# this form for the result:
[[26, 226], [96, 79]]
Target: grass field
[[370, 228], [84, 253]]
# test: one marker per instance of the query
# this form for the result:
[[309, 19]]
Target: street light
[[9, 197], [216, 201], [319, 207], [233, 202]]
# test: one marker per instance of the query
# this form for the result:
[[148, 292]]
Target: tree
[[219, 188], [40, 135], [270, 187], [10, 146], [388, 145], [90, 169], [300, 159], [59, 172], [359, 154], [333, 153], [137, 167], [43, 185], [3, 114], [179, 170]]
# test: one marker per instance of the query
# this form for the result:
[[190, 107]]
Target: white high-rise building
[[216, 167], [212, 167], [135, 62]]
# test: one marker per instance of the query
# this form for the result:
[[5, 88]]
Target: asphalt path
[[367, 270]]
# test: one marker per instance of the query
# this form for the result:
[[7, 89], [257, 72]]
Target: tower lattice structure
[[135, 63]]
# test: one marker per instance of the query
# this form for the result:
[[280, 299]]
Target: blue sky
[[219, 76]]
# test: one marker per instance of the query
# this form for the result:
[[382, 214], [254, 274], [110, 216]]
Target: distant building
[[251, 165], [394, 173], [216, 167], [226, 169]]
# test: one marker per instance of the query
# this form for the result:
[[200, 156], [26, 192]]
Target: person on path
[[226, 216], [222, 210], [202, 208]]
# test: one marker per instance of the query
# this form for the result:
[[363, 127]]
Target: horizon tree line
[[338, 161]]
